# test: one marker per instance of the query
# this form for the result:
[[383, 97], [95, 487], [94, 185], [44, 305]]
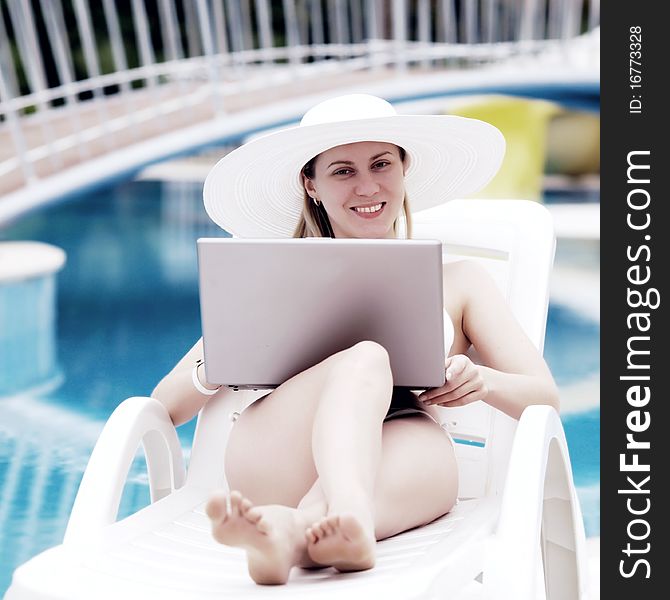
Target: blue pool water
[[127, 311]]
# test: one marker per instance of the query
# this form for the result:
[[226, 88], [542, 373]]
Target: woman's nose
[[366, 185]]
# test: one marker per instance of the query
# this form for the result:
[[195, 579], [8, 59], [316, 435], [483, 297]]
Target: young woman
[[336, 458]]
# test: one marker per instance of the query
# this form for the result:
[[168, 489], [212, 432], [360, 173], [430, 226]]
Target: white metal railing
[[67, 94]]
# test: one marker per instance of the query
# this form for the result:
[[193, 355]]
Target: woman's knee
[[365, 359], [372, 351]]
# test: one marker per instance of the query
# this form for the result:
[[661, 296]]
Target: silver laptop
[[273, 308]]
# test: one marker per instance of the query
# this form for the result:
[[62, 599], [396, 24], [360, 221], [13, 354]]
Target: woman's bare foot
[[272, 535], [342, 541]]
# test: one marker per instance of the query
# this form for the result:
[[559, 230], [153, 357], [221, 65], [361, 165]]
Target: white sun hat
[[256, 191]]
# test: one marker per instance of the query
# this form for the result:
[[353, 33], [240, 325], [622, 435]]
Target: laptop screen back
[[273, 308]]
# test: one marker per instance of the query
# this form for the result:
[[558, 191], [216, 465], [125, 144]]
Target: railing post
[[318, 36], [424, 29], [448, 21], [208, 45], [488, 21], [235, 29], [120, 63], [305, 23], [8, 90], [147, 58], [92, 64], [265, 26], [291, 29], [530, 20], [469, 21], [356, 21], [247, 35], [400, 34], [331, 20], [372, 32], [16, 132], [554, 19], [171, 41], [573, 17], [220, 29], [7, 68], [341, 28], [193, 46], [21, 15], [57, 36], [172, 46], [146, 50]]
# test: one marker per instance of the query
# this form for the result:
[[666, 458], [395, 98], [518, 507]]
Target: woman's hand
[[465, 384]]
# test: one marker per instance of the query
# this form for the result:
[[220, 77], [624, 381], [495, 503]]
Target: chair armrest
[[136, 420], [539, 508]]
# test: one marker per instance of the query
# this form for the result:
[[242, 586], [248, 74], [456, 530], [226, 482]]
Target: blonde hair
[[314, 221]]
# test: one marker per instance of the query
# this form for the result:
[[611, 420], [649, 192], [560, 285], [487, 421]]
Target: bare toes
[[263, 526], [235, 500], [334, 523], [216, 507], [253, 514], [327, 526], [313, 532], [321, 529]]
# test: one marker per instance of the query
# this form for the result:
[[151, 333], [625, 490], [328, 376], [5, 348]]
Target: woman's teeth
[[369, 209]]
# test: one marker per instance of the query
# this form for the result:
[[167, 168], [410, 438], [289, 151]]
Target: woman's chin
[[369, 229], [375, 233], [363, 228]]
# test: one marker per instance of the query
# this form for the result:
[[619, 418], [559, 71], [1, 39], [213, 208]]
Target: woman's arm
[[512, 374], [176, 390]]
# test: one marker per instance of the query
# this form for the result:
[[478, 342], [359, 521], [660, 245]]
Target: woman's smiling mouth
[[369, 211]]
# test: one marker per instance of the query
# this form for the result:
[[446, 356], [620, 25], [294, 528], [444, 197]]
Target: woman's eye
[[381, 164], [342, 172]]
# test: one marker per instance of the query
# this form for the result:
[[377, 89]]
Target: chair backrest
[[514, 240]]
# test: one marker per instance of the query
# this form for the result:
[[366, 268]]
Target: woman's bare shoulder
[[460, 282], [465, 277]]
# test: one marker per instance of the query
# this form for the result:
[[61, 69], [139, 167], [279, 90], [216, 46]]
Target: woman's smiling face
[[362, 188]]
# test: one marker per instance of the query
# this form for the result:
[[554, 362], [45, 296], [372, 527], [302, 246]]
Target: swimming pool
[[127, 311]]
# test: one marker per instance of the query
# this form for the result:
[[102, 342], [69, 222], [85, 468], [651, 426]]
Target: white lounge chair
[[517, 532]]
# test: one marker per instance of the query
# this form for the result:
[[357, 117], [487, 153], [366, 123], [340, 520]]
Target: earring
[[316, 201]]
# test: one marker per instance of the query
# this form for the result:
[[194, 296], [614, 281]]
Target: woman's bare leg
[[417, 482], [353, 393], [347, 447], [345, 396]]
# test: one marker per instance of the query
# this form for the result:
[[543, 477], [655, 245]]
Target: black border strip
[[635, 123]]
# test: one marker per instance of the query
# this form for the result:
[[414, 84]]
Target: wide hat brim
[[256, 190]]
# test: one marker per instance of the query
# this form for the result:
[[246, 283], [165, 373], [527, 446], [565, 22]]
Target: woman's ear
[[405, 162], [308, 185]]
